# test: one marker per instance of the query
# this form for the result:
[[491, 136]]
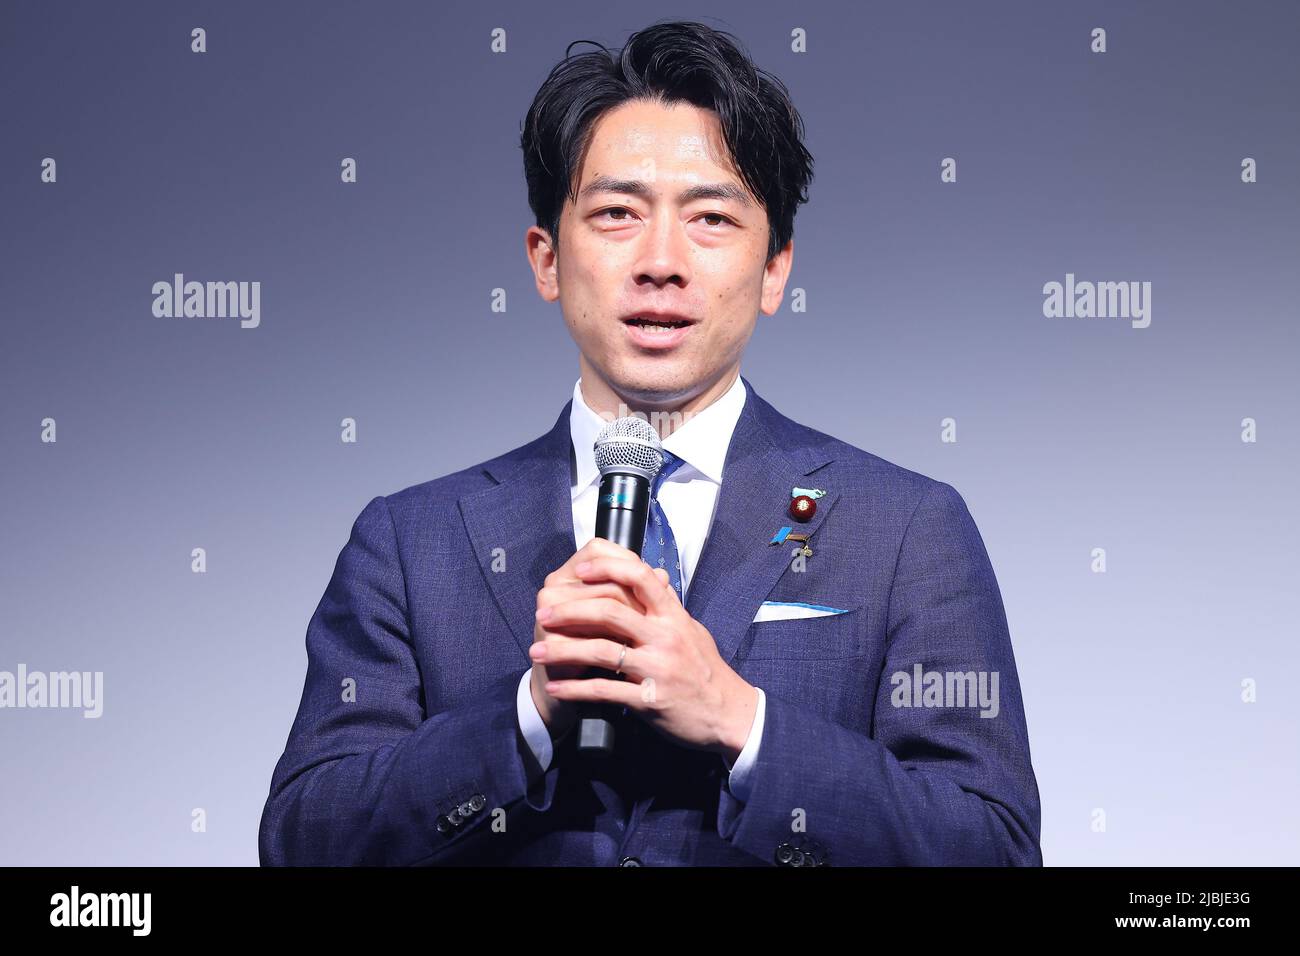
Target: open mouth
[[656, 325]]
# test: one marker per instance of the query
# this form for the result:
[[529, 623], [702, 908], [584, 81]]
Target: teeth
[[656, 325]]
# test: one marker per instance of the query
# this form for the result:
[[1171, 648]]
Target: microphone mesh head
[[629, 444]]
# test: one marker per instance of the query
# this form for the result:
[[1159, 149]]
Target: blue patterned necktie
[[660, 547], [659, 550]]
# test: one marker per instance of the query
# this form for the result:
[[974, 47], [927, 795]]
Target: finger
[[577, 588], [636, 575], [595, 548], [605, 653], [611, 616], [602, 548], [662, 575], [600, 689], [557, 639]]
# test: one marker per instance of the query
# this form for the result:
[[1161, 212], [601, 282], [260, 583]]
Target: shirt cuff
[[738, 782], [531, 723]]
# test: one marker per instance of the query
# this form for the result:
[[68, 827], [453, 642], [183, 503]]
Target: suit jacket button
[[799, 859], [444, 824], [455, 817], [465, 810], [784, 854], [477, 802], [629, 861]]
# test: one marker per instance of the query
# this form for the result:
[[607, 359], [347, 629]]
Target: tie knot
[[671, 464]]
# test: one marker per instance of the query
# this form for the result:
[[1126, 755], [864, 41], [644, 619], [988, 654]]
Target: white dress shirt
[[689, 498]]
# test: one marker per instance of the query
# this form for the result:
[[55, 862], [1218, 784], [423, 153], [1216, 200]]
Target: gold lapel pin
[[785, 534]]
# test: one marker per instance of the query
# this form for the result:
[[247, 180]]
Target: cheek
[[594, 283], [732, 302], [736, 286]]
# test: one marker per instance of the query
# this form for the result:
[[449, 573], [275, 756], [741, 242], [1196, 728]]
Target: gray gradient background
[[924, 302]]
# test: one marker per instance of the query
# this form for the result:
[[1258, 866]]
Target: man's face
[[634, 244]]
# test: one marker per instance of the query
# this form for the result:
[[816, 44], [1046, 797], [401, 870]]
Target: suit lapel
[[528, 514], [768, 456]]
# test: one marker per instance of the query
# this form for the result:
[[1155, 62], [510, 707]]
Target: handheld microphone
[[628, 455]]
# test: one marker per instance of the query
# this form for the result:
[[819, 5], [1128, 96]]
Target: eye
[[623, 209], [716, 215]]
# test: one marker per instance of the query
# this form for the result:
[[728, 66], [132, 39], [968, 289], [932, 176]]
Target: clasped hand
[[605, 599]]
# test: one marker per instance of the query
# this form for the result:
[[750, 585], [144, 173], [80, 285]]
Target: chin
[[659, 388]]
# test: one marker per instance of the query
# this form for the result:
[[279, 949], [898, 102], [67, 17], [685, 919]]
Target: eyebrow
[[635, 187]]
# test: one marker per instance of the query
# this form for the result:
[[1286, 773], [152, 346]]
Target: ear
[[775, 274], [542, 257]]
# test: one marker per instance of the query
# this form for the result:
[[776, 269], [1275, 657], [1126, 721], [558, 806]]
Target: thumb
[[667, 582]]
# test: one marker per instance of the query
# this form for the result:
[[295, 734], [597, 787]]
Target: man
[[785, 704]]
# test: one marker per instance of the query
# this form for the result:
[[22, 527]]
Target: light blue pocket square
[[787, 610]]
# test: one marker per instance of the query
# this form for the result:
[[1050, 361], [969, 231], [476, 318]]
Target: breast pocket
[[824, 636]]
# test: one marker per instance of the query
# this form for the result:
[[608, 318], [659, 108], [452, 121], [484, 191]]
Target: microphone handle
[[622, 508]]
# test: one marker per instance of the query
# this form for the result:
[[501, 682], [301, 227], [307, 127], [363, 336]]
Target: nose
[[664, 255]]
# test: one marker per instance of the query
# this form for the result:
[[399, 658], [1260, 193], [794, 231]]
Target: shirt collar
[[701, 441]]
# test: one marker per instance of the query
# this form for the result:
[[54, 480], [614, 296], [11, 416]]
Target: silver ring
[[621, 655]]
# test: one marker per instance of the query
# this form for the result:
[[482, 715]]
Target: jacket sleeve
[[366, 776], [931, 785]]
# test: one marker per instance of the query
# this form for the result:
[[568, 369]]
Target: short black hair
[[668, 62]]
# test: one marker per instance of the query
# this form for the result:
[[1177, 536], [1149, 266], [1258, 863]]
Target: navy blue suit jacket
[[429, 617]]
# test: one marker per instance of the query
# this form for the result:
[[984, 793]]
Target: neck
[[666, 412]]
